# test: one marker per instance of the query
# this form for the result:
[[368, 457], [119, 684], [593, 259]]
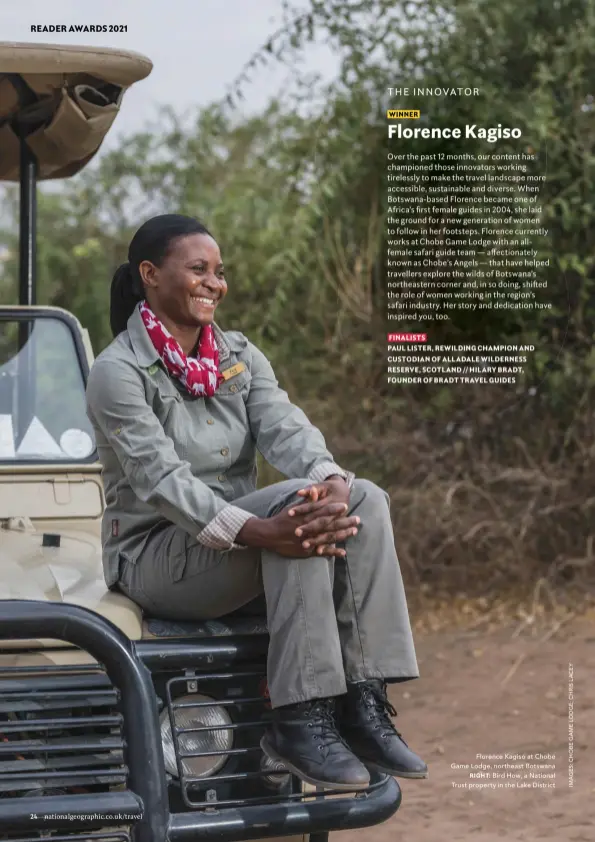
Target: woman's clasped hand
[[302, 530], [314, 529], [318, 531]]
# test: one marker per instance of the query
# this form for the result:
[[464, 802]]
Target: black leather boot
[[363, 718], [305, 739]]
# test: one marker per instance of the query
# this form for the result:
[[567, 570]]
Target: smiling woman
[[179, 409]]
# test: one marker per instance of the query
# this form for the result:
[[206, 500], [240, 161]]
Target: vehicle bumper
[[144, 805]]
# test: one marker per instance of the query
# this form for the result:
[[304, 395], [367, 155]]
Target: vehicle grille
[[242, 780], [61, 734], [60, 731]]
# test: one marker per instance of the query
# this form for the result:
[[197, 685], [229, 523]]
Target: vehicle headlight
[[216, 738]]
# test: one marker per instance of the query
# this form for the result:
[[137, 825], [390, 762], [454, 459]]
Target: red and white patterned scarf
[[200, 375]]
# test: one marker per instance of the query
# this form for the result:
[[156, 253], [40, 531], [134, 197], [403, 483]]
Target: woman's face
[[190, 282]]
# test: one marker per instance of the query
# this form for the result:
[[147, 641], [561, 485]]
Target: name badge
[[231, 372]]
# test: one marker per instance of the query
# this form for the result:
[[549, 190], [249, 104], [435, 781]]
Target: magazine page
[[296, 399]]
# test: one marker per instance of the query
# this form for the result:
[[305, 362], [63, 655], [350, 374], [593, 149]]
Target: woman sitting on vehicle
[[179, 409]]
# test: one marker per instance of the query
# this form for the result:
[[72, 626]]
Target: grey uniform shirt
[[170, 457]]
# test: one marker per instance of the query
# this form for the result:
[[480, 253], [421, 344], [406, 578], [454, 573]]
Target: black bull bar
[[144, 805]]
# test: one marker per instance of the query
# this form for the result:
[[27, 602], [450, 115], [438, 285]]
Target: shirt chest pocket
[[236, 384], [178, 417], [228, 408]]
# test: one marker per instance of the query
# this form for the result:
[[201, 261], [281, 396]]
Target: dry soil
[[491, 693]]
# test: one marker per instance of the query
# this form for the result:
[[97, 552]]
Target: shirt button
[[224, 451], [233, 388], [210, 421], [221, 477]]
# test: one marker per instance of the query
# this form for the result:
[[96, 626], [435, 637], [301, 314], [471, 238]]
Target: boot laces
[[378, 701], [321, 716]]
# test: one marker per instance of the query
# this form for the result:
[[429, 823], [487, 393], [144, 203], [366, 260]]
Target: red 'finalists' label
[[407, 337]]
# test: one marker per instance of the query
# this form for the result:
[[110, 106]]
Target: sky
[[198, 48]]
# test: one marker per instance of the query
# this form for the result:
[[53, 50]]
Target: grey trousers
[[329, 620]]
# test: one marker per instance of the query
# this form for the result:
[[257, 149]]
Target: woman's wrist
[[253, 533]]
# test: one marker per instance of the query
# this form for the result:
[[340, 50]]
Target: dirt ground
[[490, 693]]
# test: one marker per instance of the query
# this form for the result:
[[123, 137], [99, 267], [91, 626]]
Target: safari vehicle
[[113, 725]]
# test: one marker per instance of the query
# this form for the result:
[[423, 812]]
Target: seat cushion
[[223, 627], [249, 619]]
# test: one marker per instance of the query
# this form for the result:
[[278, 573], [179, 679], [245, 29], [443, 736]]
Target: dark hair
[[151, 242]]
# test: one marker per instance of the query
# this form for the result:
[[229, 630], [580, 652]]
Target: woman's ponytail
[[123, 298]]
